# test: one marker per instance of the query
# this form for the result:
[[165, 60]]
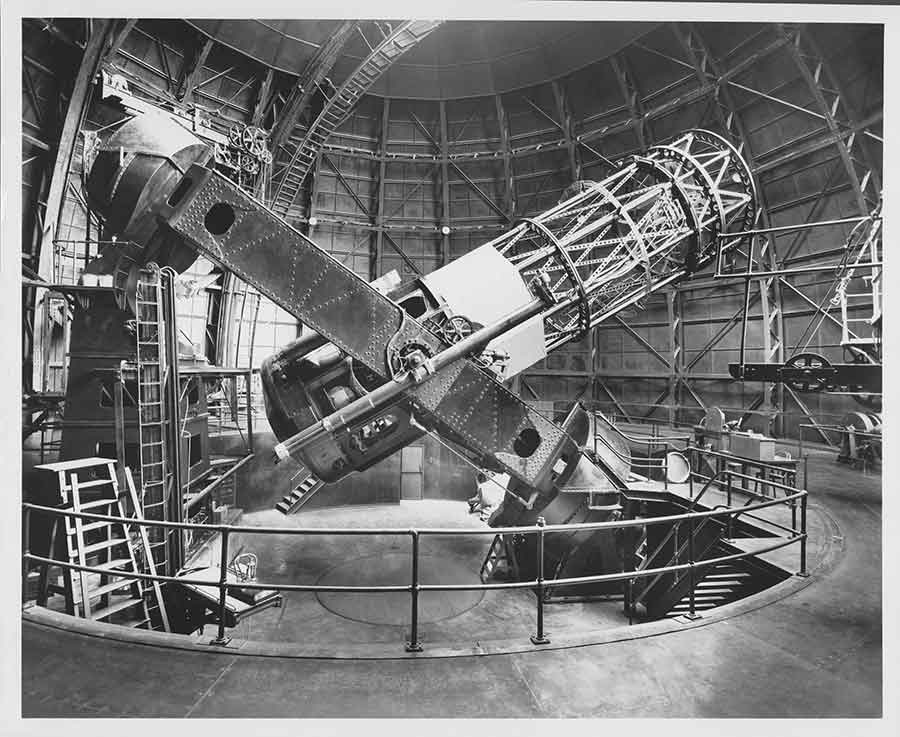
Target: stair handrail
[[668, 536], [628, 459], [650, 439], [675, 556]]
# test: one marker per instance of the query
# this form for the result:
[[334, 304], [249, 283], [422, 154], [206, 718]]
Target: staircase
[[336, 109], [660, 593], [90, 485], [723, 584], [300, 494]]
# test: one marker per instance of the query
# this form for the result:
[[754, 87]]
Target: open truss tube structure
[[655, 220]]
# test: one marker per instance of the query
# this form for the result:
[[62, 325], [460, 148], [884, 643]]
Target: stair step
[[677, 612], [698, 596], [134, 623], [714, 592], [724, 582], [94, 526], [98, 503], [718, 573], [112, 564], [114, 586], [104, 544], [92, 484], [117, 607]]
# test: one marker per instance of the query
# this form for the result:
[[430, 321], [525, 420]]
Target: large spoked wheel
[[457, 328], [811, 364]]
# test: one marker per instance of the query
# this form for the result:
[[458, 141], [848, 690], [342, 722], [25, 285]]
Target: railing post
[[794, 508], [221, 639], [26, 551], [248, 379], [692, 614], [692, 458], [665, 465], [630, 606], [803, 572], [728, 489], [539, 638], [414, 646]]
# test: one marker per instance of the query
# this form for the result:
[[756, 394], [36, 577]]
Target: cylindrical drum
[[135, 173]]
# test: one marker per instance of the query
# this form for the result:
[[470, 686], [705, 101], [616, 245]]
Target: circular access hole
[[527, 442], [219, 218]]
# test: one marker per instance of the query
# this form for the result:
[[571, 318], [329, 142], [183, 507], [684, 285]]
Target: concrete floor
[[812, 650], [338, 619]]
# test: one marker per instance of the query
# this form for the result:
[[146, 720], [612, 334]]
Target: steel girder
[[339, 105], [509, 191], [632, 95], [706, 66], [59, 179], [318, 67], [864, 178]]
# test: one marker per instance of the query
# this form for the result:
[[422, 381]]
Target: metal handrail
[[539, 584], [691, 506], [520, 529], [651, 439], [687, 544], [749, 461]]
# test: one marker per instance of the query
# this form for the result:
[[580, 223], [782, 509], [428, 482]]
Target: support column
[[65, 150], [632, 96], [190, 74], [378, 256], [445, 186], [809, 61], [509, 192], [262, 98], [676, 342], [565, 124], [707, 70]]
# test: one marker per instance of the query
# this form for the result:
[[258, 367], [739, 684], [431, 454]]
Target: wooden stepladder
[[90, 485]]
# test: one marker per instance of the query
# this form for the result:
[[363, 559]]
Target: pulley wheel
[[456, 328], [810, 363]]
